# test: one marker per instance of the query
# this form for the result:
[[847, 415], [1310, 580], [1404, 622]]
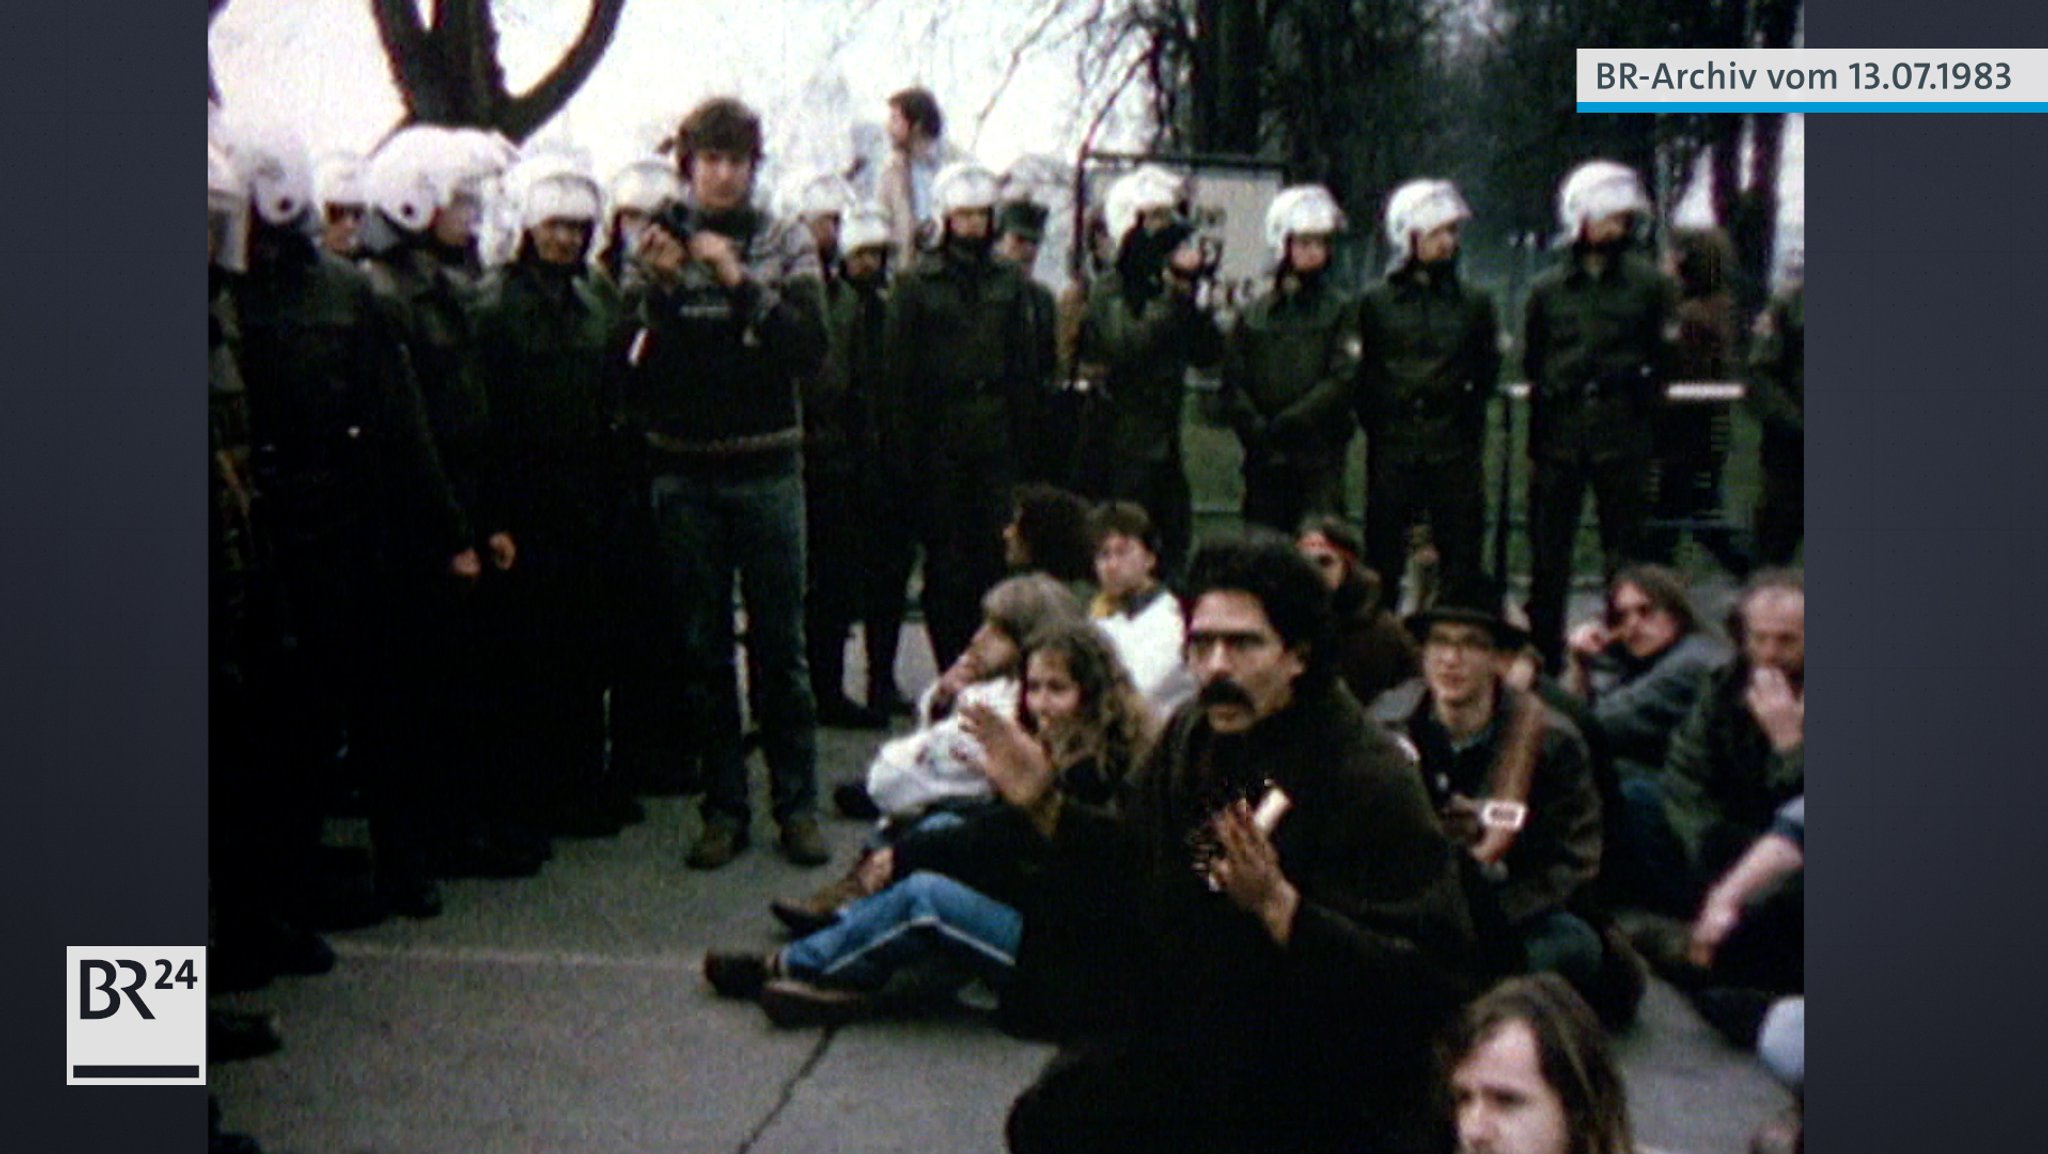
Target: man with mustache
[[1275, 982]]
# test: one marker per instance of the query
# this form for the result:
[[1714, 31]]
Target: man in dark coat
[[963, 354], [1429, 362], [1272, 975], [1511, 781], [545, 327], [1142, 330], [350, 496], [1598, 343]]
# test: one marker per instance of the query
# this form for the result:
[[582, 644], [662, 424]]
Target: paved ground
[[564, 1014]]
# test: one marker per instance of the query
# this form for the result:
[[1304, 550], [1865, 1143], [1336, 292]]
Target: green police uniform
[[1288, 366], [1598, 349], [1144, 342], [960, 389], [1429, 362]]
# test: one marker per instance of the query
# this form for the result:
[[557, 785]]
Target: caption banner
[[1812, 80]]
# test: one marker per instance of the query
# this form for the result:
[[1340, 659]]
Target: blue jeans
[[926, 918], [710, 529]]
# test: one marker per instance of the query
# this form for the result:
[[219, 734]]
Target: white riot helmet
[[824, 195], [227, 212], [865, 227], [963, 185], [338, 179], [1597, 189], [1136, 193], [1302, 210], [272, 164], [424, 168], [644, 186], [560, 190], [1419, 207]]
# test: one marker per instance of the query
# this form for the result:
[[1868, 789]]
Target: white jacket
[[1152, 645]]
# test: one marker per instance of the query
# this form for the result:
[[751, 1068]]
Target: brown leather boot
[[811, 914]]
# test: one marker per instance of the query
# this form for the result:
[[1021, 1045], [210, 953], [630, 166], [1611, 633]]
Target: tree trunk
[[448, 73]]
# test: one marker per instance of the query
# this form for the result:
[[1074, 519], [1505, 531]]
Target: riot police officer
[[960, 347], [1597, 345], [1430, 360], [1141, 332], [349, 495], [545, 354], [1288, 367]]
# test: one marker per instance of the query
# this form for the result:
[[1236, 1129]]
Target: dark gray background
[[1926, 246]]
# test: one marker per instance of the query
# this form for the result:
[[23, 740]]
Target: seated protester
[[938, 763], [1641, 668], [1049, 533], [1747, 945], [1134, 609], [1527, 1071], [1274, 975], [955, 896], [1511, 782], [1738, 756], [1374, 652]]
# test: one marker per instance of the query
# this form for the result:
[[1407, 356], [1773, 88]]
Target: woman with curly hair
[[955, 896]]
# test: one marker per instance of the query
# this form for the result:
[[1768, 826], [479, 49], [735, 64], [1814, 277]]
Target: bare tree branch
[[527, 112], [1054, 9]]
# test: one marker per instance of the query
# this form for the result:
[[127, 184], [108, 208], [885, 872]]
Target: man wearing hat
[[1055, 417], [1511, 780]]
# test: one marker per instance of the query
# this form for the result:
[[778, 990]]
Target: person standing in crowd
[[652, 750], [1598, 341], [1527, 1071], [638, 191], [1144, 329], [1375, 653], [836, 432], [1054, 418], [1511, 782], [1288, 369], [1138, 613], [960, 391], [350, 494], [1275, 982], [545, 339], [1777, 395], [1691, 437], [1430, 349], [425, 190], [732, 320], [917, 152], [859, 549], [338, 184]]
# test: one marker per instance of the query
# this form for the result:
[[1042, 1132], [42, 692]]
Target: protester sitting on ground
[[935, 764], [1374, 652], [1528, 1071], [1511, 783], [1640, 667], [1049, 533], [956, 893], [1738, 756], [1134, 609], [1271, 991]]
